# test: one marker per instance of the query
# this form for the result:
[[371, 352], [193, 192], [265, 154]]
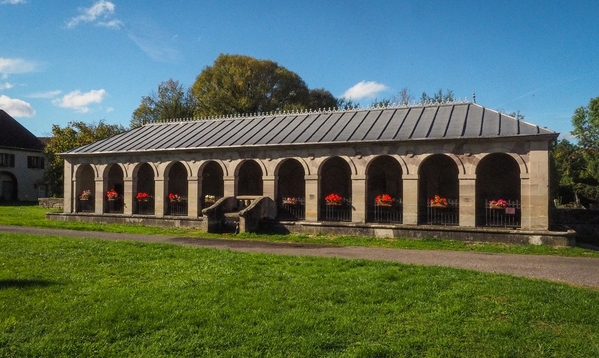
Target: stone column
[[128, 195], [269, 186], [193, 196], [312, 196], [101, 189], [410, 199], [70, 197], [160, 196], [467, 192], [358, 200], [535, 189], [230, 188]]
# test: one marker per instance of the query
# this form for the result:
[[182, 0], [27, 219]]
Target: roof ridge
[[328, 110]]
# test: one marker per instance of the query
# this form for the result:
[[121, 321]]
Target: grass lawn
[[33, 215], [83, 297]]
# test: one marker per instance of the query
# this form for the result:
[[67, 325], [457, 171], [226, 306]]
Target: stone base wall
[[120, 219], [584, 222], [51, 203], [490, 235]]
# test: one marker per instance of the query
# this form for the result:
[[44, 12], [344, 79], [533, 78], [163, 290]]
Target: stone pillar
[[230, 187], [535, 188], [160, 196], [410, 199], [358, 200], [193, 196], [101, 189], [70, 197], [312, 196], [467, 192], [269, 186], [128, 195]]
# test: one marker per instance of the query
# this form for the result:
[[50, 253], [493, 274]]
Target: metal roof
[[396, 124], [14, 135]]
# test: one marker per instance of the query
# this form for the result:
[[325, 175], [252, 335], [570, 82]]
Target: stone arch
[[85, 175], [9, 186], [497, 177], [212, 174], [188, 171], [291, 174], [135, 171], [145, 175], [177, 173], [220, 163], [300, 160], [384, 176], [437, 175], [335, 178], [249, 174], [522, 164]]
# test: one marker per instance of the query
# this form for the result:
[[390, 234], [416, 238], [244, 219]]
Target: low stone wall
[[149, 220], [492, 235], [496, 235], [51, 203], [584, 222]]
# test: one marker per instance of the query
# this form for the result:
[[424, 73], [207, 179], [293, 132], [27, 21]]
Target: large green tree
[[586, 124], [171, 101], [577, 165], [74, 135], [237, 84]]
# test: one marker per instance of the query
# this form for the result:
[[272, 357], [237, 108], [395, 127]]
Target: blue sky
[[92, 60]]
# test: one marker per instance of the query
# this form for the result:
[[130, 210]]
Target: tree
[[439, 96], [237, 84], [74, 135], [169, 102], [586, 124]]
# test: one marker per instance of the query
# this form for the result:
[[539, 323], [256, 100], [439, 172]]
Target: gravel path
[[578, 271]]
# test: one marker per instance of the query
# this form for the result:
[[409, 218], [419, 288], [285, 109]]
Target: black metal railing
[[386, 212], [443, 214], [336, 212], [114, 206], [177, 208], [292, 209], [508, 215], [145, 207], [85, 205]]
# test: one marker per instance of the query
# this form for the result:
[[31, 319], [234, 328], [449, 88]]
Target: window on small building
[[35, 162], [7, 160]]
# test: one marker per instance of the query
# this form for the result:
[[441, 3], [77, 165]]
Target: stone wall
[[584, 222], [51, 203]]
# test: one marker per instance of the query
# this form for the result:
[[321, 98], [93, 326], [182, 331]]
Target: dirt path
[[578, 271]]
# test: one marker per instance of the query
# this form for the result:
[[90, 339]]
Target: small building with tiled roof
[[376, 170], [21, 162]]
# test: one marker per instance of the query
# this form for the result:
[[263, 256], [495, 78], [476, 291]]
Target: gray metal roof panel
[[467, 120]]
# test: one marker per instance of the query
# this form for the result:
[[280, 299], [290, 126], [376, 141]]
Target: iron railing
[[506, 216], [443, 215]]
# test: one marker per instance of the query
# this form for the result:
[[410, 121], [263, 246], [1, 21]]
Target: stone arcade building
[[277, 169]]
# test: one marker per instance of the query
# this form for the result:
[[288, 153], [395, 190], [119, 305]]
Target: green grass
[[34, 216], [82, 297]]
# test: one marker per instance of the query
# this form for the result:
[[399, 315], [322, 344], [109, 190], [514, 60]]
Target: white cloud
[[80, 101], [47, 94], [5, 85], [9, 66], [101, 9], [157, 48], [13, 2], [364, 89], [112, 24], [109, 109], [16, 107]]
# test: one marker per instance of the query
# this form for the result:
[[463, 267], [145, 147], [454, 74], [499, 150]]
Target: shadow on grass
[[24, 283]]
